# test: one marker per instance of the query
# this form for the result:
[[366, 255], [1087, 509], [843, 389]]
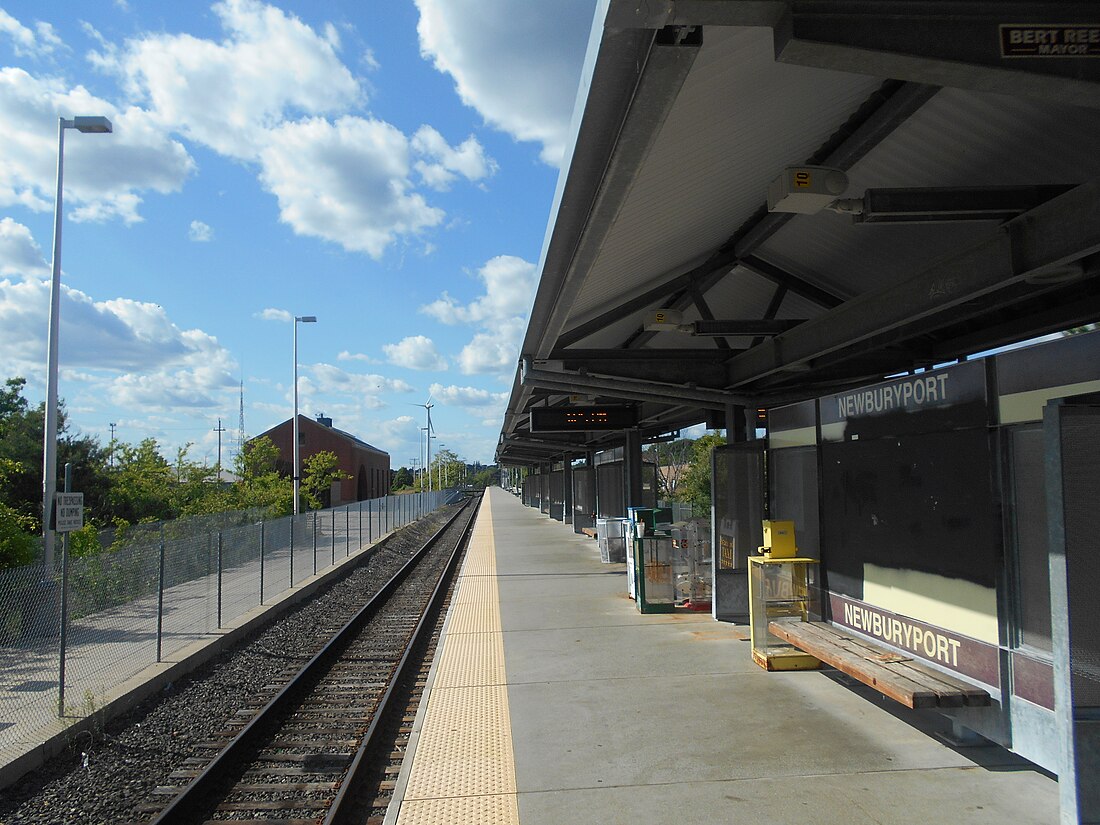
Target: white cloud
[[444, 163], [345, 182], [19, 253], [500, 313], [154, 362], [103, 173], [43, 40], [272, 314], [329, 381], [345, 355], [493, 351], [415, 352], [510, 284], [273, 91], [269, 66], [517, 63], [200, 232], [484, 405]]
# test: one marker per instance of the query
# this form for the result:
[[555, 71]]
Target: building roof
[[358, 442], [975, 168]]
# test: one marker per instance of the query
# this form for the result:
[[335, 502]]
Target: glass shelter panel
[[610, 502], [738, 498], [793, 487], [584, 498], [557, 495]]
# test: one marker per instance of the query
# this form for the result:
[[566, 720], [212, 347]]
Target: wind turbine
[[429, 434]]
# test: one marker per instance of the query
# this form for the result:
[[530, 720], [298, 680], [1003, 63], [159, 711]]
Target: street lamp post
[[296, 472], [49, 434]]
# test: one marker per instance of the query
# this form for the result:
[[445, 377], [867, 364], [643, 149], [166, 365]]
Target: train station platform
[[553, 700]]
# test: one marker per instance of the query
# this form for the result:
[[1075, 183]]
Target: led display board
[[582, 419]]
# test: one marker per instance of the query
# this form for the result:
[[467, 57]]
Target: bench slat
[[878, 676], [905, 681], [953, 692], [941, 695]]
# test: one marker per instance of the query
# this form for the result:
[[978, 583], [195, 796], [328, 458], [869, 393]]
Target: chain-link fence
[[70, 635]]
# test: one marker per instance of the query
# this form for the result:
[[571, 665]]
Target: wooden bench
[[892, 674], [588, 531]]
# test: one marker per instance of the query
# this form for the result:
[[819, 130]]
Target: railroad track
[[321, 748]]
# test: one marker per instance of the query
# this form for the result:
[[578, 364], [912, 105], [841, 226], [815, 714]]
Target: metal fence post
[[333, 512], [219, 578], [292, 551], [315, 542], [261, 561], [370, 523], [347, 530], [387, 503], [64, 629], [361, 524], [160, 597]]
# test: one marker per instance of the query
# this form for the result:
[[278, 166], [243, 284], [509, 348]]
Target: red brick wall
[[318, 438]]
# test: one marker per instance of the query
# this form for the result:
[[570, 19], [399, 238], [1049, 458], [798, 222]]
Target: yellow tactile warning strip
[[463, 769]]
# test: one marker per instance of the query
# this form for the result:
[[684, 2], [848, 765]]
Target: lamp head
[[92, 124], [307, 319]]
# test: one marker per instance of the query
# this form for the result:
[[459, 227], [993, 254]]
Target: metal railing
[[71, 635]]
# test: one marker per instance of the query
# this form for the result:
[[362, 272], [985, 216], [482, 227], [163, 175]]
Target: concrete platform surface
[[615, 717]]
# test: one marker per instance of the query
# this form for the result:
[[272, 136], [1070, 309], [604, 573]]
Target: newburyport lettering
[[918, 392]]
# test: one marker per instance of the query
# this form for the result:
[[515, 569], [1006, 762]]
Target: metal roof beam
[[935, 205], [631, 389], [958, 43], [718, 262], [878, 116], [799, 286], [720, 327], [1058, 232], [711, 354]]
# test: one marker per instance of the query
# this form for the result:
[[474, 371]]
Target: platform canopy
[[968, 134]]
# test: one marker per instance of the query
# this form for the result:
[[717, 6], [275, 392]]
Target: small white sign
[[70, 512]]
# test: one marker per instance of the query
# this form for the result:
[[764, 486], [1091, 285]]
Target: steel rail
[[196, 795], [346, 807]]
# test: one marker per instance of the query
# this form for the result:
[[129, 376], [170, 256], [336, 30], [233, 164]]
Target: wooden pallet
[[891, 673]]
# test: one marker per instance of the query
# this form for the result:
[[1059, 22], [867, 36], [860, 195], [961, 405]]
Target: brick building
[[367, 466]]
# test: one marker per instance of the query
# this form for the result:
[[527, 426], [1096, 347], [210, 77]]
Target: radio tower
[[240, 424]]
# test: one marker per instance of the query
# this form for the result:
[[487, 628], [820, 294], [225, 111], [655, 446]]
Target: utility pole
[[219, 430], [112, 425]]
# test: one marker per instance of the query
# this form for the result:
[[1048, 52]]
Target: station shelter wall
[[925, 499]]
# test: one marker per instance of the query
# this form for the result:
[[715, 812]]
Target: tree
[[143, 482], [694, 485], [401, 479], [672, 460], [446, 469], [18, 542], [319, 471], [485, 478], [258, 481], [196, 490], [21, 442]]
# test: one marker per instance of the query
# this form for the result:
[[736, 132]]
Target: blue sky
[[387, 167]]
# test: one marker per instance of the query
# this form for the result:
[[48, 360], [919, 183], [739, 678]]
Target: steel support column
[[632, 468], [1072, 453]]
